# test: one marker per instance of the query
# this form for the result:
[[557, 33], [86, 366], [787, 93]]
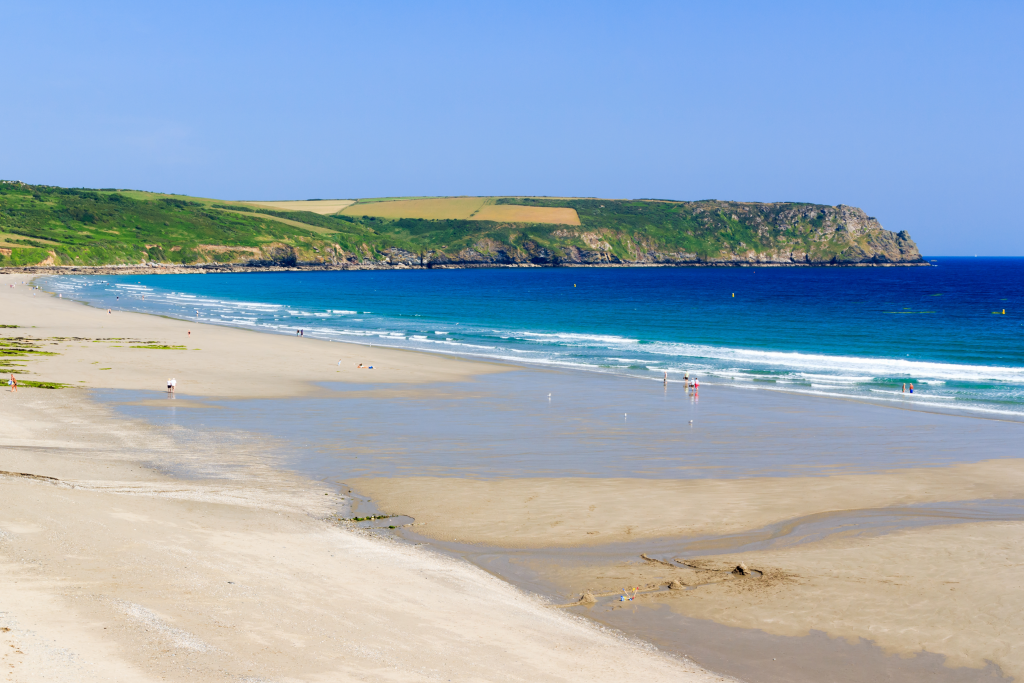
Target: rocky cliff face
[[61, 227], [639, 233]]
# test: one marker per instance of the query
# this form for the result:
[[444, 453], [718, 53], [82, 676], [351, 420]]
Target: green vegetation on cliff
[[42, 225]]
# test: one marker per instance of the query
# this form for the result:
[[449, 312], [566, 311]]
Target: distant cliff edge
[[54, 228]]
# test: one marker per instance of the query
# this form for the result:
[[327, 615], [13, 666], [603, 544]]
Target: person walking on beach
[[174, 384], [13, 382], [169, 385]]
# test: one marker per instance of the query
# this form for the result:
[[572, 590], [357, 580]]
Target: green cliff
[[44, 226]]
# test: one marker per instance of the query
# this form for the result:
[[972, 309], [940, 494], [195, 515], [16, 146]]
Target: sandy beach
[[181, 552], [111, 569]]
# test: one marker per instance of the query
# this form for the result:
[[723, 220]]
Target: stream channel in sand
[[565, 429]]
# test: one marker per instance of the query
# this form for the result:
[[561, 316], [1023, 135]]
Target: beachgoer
[[169, 385], [665, 381], [13, 382], [904, 387], [174, 384], [108, 311], [190, 333], [696, 384], [911, 387], [296, 333]]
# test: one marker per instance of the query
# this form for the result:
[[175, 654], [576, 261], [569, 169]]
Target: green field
[[69, 227]]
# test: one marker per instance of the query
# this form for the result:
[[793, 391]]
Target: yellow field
[[323, 206], [465, 208], [432, 208], [527, 214], [436, 208]]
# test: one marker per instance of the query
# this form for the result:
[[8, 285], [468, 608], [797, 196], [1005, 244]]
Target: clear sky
[[912, 111]]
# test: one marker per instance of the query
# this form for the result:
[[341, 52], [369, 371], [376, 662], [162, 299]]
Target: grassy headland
[[54, 226]]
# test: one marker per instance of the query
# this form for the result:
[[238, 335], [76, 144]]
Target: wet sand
[[567, 512], [844, 594], [563, 535]]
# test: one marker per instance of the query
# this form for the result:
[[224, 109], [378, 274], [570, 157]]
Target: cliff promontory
[[53, 227]]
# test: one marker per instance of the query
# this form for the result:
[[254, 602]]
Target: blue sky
[[912, 111]]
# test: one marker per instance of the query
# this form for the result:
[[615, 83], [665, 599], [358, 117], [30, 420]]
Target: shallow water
[[507, 425]]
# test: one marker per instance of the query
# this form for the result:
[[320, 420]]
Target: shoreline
[[119, 571], [779, 370], [295, 381], [182, 269]]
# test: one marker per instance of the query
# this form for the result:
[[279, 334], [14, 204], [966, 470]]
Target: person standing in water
[[911, 387], [904, 387]]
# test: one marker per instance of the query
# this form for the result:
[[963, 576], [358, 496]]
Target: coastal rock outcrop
[[67, 228]]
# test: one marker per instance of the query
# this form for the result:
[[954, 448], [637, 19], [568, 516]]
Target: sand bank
[[567, 512], [956, 591], [100, 349], [112, 570]]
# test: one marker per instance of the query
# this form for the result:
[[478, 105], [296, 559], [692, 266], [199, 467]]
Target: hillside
[[53, 227]]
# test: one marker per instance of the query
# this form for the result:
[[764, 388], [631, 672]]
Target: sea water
[[955, 329]]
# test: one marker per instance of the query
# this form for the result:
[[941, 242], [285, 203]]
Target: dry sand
[[110, 570], [95, 350]]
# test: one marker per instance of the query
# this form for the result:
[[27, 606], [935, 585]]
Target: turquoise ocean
[[954, 329]]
